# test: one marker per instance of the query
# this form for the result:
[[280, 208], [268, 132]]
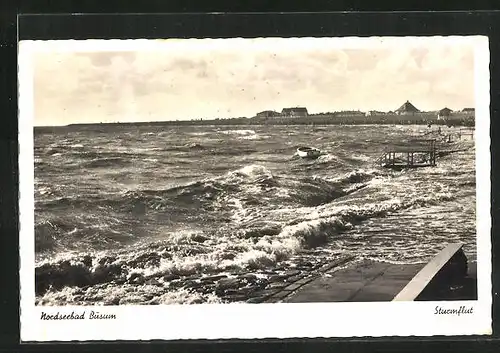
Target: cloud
[[217, 78]]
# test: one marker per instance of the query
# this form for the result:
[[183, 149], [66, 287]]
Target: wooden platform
[[410, 154]]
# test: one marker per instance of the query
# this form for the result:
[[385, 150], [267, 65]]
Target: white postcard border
[[248, 321]]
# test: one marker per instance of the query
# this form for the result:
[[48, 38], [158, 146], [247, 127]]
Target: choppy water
[[210, 214]]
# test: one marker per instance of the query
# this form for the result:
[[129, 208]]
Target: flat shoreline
[[304, 121]]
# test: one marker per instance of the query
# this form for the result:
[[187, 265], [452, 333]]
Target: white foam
[[253, 171], [239, 132]]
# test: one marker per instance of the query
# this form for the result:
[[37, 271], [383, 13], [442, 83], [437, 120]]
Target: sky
[[192, 79]]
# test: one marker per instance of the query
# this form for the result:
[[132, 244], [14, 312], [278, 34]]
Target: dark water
[[151, 216]]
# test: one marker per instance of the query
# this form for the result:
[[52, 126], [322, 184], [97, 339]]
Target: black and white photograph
[[211, 179]]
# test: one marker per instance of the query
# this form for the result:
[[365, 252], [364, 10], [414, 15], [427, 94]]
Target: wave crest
[[317, 231]]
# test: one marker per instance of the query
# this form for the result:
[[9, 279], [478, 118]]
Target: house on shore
[[347, 113], [444, 113], [468, 113], [267, 114], [407, 109], [374, 112], [294, 112], [469, 110]]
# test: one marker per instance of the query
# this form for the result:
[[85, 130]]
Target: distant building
[[374, 112], [407, 108], [294, 112], [444, 113], [345, 113], [267, 114], [468, 110]]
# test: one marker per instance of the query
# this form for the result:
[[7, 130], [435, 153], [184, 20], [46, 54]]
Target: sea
[[218, 214]]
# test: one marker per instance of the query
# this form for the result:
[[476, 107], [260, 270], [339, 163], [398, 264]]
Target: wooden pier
[[412, 154]]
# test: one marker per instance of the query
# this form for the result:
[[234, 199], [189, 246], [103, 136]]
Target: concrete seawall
[[447, 276]]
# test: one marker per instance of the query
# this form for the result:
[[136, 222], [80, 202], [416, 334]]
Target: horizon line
[[239, 117]]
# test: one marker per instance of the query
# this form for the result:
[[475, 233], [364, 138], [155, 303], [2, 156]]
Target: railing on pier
[[446, 268]]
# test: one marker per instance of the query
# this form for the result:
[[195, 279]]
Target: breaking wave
[[242, 134], [239, 132], [317, 231], [198, 255], [252, 185]]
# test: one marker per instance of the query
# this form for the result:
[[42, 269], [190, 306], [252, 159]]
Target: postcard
[[254, 188]]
